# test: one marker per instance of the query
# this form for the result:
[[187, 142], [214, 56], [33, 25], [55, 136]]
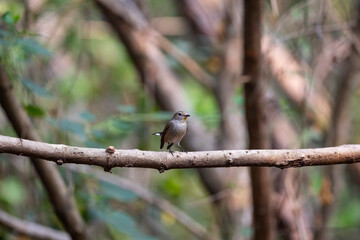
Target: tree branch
[[31, 229], [283, 158]]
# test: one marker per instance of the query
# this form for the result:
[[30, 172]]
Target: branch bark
[[282, 158], [31, 229]]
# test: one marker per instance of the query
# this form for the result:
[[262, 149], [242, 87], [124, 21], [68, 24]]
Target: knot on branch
[[59, 162], [192, 161], [107, 169], [110, 149], [229, 162], [162, 168], [292, 163]]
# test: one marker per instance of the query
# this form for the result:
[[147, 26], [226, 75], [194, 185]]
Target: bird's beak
[[186, 116]]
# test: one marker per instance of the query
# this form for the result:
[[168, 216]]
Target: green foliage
[[36, 88], [34, 111], [69, 126], [204, 103], [159, 8], [348, 210], [316, 178], [21, 44], [12, 191], [173, 186], [88, 116], [111, 191], [305, 48], [32, 47], [123, 223], [10, 19]]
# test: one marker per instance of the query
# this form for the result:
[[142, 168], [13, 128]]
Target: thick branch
[[282, 158], [31, 229]]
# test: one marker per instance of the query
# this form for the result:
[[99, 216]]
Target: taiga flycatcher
[[174, 131]]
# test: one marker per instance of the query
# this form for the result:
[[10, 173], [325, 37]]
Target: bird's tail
[[157, 134]]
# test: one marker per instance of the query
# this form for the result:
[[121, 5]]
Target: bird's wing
[[163, 135]]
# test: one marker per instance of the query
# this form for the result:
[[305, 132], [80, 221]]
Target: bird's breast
[[176, 131]]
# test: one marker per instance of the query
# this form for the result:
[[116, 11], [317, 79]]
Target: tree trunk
[[256, 120]]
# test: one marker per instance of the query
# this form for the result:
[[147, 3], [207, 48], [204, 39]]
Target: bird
[[174, 131]]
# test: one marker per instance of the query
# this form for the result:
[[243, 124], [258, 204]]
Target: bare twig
[[282, 158], [31, 229]]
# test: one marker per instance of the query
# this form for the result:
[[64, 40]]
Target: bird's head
[[181, 115]]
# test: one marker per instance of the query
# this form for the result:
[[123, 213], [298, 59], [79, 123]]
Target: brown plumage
[[174, 131]]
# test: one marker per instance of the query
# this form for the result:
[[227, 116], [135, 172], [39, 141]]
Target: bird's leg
[[181, 147], [169, 147]]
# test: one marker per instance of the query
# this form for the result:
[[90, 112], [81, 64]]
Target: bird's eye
[[179, 114]]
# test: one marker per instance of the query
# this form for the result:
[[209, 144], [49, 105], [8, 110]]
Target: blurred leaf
[[167, 218], [12, 191], [112, 191], [97, 133], [69, 126], [126, 108], [88, 116], [148, 117], [36, 88], [162, 115], [123, 223], [348, 210], [247, 232], [310, 135], [10, 19], [173, 185], [4, 33], [122, 125], [32, 46], [34, 111], [316, 180], [305, 48], [92, 144], [239, 98]]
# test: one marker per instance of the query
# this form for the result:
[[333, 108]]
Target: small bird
[[174, 131]]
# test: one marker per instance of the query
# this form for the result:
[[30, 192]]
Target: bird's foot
[[172, 152], [181, 148]]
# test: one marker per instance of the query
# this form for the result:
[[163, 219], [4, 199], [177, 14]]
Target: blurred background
[[99, 73]]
